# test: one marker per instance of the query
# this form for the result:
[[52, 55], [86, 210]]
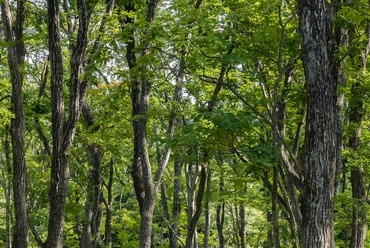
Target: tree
[[16, 53], [320, 155], [146, 186], [63, 130], [198, 105], [356, 110]]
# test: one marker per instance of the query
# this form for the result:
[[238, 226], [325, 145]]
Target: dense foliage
[[200, 104]]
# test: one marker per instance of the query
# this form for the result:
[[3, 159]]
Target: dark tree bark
[[108, 204], [195, 205], [220, 210], [13, 30], [207, 211], [93, 208], [359, 219], [174, 234], [63, 130], [320, 147], [241, 226], [220, 220]]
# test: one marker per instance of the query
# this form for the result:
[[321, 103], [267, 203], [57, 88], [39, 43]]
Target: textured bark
[[176, 205], [108, 205], [192, 178], [63, 130], [13, 30], [320, 147], [207, 211], [59, 169], [195, 205], [220, 220], [241, 226], [359, 219], [93, 208], [220, 210]]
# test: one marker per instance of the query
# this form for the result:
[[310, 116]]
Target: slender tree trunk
[[356, 112], [108, 205], [274, 208], [93, 208], [320, 147], [13, 30], [270, 232], [241, 226], [172, 220], [192, 178], [207, 212], [191, 241], [146, 186], [7, 188], [359, 222], [174, 232], [220, 209], [165, 208], [291, 218], [220, 219]]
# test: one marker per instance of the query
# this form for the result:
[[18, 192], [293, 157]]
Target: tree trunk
[[6, 183], [356, 112], [13, 31], [196, 205], [93, 209], [359, 223], [320, 147], [270, 234], [220, 219], [172, 220], [241, 226], [145, 185], [63, 130], [207, 212], [108, 205], [220, 209], [192, 177], [165, 209], [174, 232], [274, 208]]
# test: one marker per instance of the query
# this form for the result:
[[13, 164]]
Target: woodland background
[[131, 123]]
